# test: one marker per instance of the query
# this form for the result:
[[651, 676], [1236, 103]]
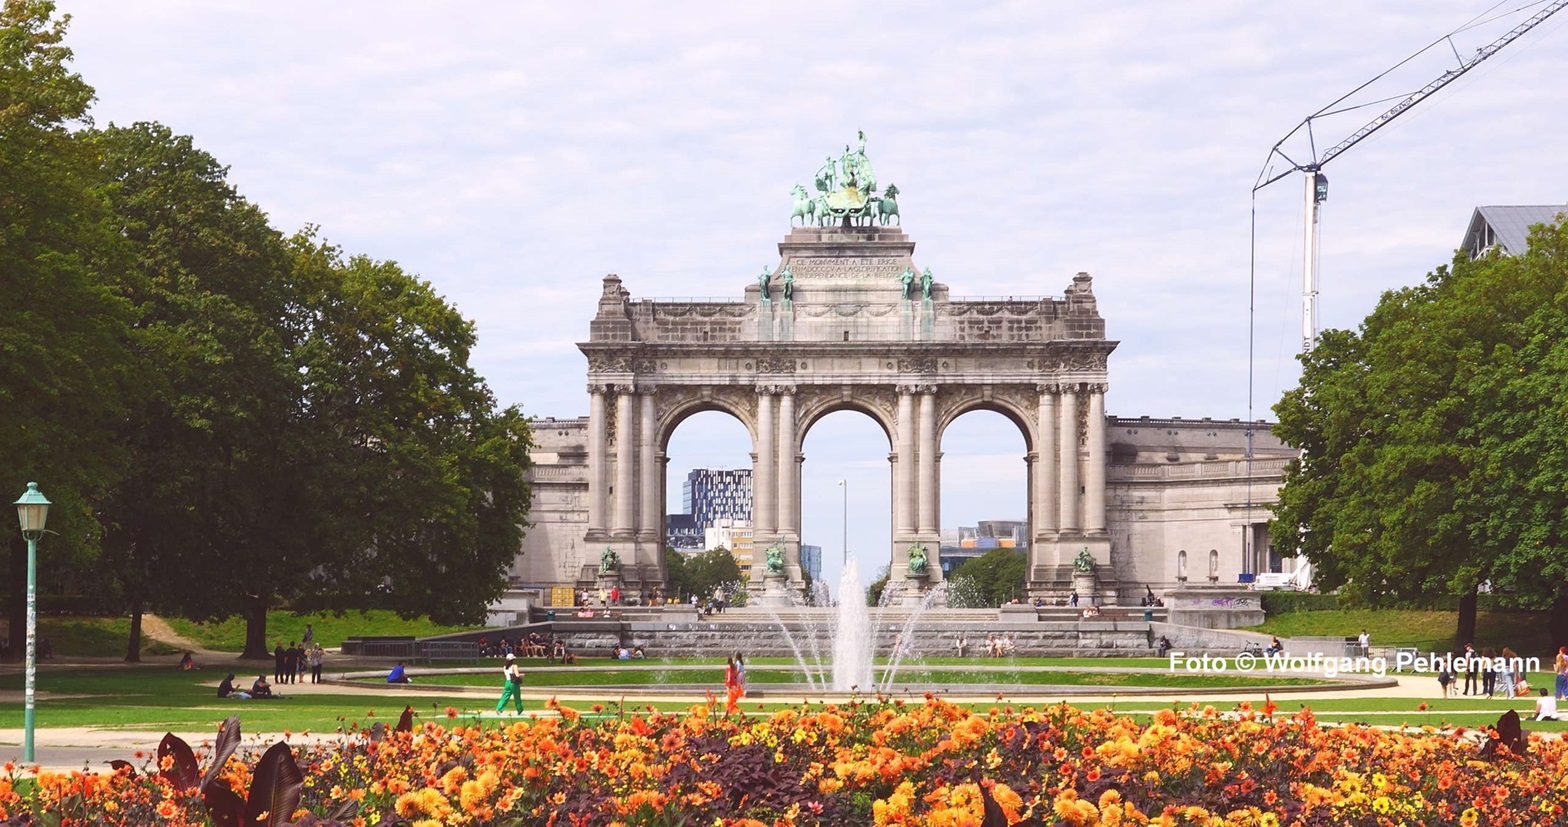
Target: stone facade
[[847, 334]]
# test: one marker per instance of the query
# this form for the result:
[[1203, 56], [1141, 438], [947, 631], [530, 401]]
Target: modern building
[[735, 535], [811, 561], [1506, 229], [965, 543], [682, 532], [713, 494]]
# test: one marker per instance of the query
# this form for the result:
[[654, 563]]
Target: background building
[[734, 535], [713, 494], [968, 542], [811, 561]]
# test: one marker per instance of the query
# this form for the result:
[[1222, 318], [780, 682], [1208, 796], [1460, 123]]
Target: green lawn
[[1426, 630], [93, 637], [331, 630]]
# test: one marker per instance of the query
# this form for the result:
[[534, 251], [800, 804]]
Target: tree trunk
[[133, 644], [256, 629], [16, 608], [1557, 617], [1466, 631]]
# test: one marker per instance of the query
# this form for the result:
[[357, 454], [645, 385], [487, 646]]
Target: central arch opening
[[985, 508], [855, 517]]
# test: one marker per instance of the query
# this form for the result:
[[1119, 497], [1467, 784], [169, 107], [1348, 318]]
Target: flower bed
[[858, 763]]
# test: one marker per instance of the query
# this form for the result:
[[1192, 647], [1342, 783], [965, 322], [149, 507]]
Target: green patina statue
[[846, 188], [789, 285], [776, 558], [918, 564], [609, 561], [925, 284], [1084, 563], [907, 278], [764, 282]]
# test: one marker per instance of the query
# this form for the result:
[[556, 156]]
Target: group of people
[[1489, 672], [997, 646], [291, 663], [260, 689], [531, 645]]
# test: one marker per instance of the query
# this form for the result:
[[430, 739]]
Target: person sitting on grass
[[262, 689], [187, 662], [399, 674], [637, 653], [1545, 706], [226, 689]]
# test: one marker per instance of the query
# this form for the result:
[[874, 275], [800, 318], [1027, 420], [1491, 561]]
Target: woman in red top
[[731, 686]]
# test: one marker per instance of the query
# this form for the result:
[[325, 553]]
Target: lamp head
[[32, 510]]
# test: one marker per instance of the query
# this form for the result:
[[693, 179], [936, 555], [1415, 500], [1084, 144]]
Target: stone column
[[648, 471], [789, 485], [1046, 437], [928, 482], [598, 453], [763, 503], [1067, 516], [1094, 472], [904, 467], [625, 464]]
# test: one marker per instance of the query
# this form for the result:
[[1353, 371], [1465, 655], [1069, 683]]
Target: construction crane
[[1317, 183]]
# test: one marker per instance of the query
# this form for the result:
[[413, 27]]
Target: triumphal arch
[[847, 319]]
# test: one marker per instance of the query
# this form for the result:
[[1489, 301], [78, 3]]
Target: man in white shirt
[[1365, 642], [1546, 707]]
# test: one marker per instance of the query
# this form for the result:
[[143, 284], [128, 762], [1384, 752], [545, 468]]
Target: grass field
[[93, 637], [331, 629], [1426, 630]]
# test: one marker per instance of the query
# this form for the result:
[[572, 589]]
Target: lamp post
[[32, 510], [844, 484]]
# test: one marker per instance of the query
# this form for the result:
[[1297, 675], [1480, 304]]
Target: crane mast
[[1317, 184]]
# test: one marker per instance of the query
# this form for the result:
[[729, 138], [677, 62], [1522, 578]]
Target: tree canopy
[[987, 581], [1434, 439], [233, 417]]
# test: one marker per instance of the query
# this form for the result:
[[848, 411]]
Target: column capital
[[767, 390], [1096, 387], [785, 390], [599, 388], [647, 389], [1046, 387], [906, 388]]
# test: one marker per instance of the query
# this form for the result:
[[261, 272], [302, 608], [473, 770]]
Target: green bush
[[1276, 603]]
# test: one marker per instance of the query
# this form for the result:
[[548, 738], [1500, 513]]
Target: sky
[[511, 154]]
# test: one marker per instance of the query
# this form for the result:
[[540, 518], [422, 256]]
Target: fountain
[[851, 627]]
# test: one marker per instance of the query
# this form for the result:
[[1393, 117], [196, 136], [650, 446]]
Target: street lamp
[[32, 510], [844, 484]]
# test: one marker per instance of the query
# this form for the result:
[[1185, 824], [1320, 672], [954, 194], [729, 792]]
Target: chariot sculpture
[[846, 193]]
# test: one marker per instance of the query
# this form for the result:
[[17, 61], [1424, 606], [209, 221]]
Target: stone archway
[[835, 324]]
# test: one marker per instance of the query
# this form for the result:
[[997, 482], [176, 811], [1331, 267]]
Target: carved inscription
[[848, 267]]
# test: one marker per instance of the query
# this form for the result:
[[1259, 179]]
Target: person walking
[[310, 636], [1560, 666], [1505, 671], [514, 686], [1488, 672], [1470, 671], [731, 687], [318, 655]]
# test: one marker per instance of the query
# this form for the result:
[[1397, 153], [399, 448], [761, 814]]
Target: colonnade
[[1066, 469]]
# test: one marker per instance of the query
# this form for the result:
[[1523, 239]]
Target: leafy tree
[[987, 581], [62, 325], [1429, 438], [701, 574]]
